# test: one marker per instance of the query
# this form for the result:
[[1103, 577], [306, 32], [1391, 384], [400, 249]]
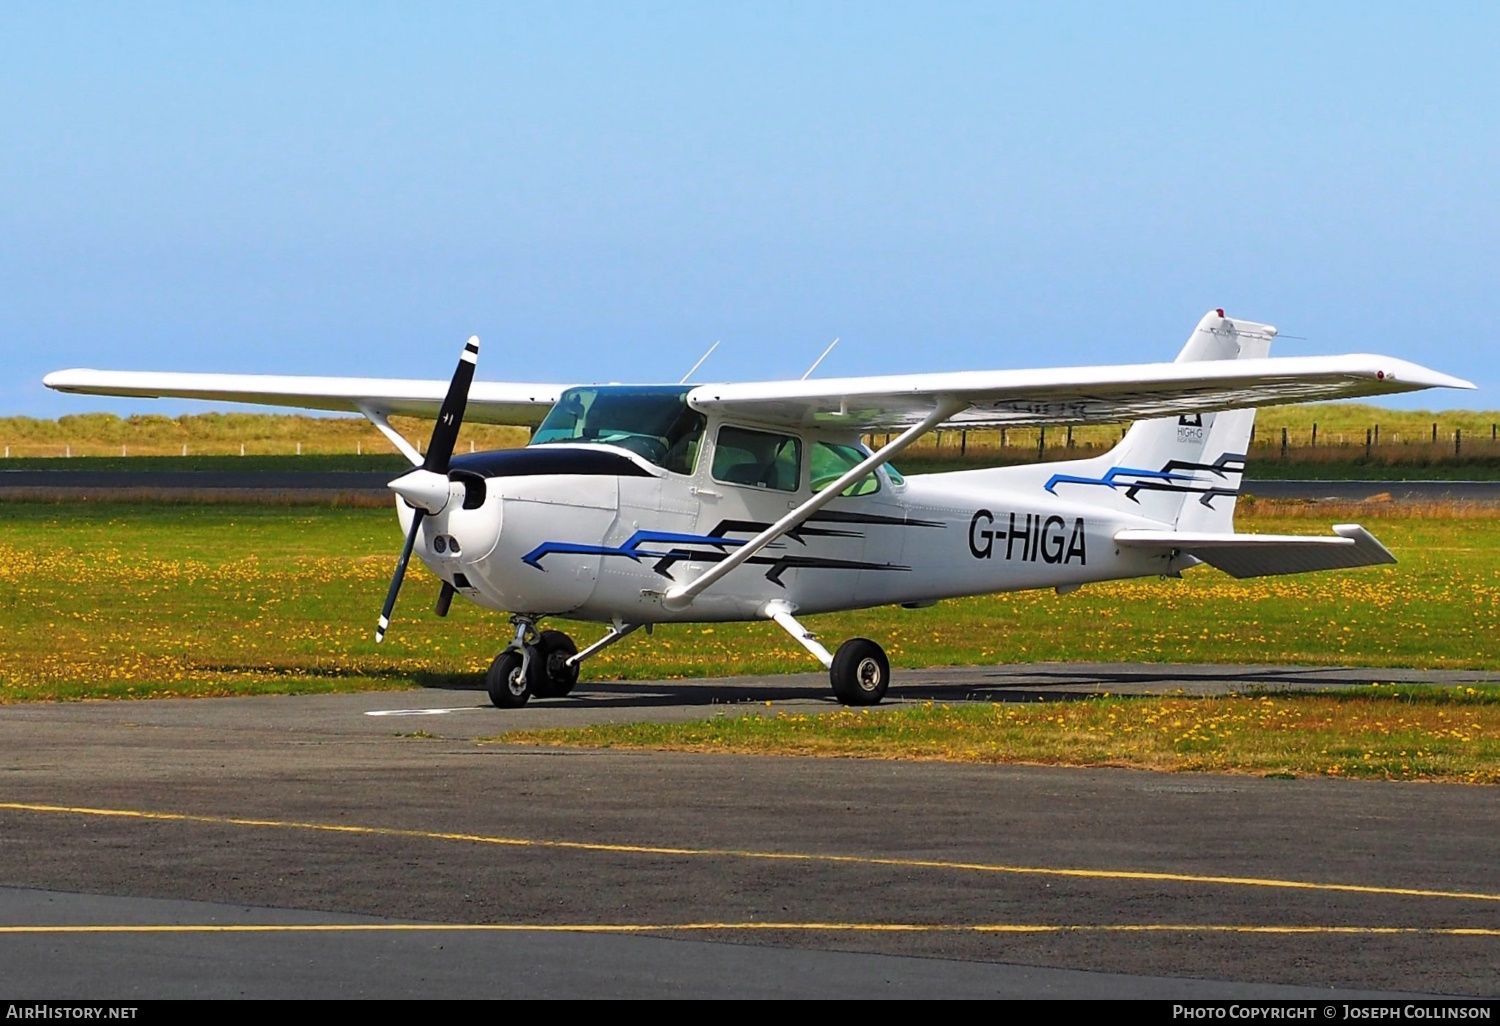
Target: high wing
[[1071, 395], [490, 402]]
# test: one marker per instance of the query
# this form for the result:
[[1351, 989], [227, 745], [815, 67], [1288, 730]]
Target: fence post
[[1315, 434], [1041, 444], [1458, 438], [1070, 436], [1369, 438], [1434, 433], [1283, 443], [963, 443], [1377, 434]]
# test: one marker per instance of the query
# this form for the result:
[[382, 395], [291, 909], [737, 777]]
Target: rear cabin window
[[829, 461], [758, 458]]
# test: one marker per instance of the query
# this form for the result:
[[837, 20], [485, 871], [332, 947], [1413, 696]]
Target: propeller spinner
[[426, 488]]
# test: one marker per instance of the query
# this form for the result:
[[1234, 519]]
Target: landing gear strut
[[859, 671]]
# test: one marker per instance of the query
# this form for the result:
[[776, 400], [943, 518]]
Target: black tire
[[860, 672], [509, 688], [551, 677]]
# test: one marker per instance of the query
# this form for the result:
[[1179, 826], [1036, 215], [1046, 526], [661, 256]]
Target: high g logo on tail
[[1028, 539]]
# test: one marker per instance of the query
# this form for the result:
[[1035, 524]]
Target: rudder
[[1186, 471]]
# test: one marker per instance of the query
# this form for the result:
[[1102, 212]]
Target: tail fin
[[1186, 471]]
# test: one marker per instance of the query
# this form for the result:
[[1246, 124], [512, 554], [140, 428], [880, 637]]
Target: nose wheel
[[508, 681], [536, 664]]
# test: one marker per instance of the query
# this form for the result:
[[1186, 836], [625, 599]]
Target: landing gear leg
[[617, 631], [859, 671]]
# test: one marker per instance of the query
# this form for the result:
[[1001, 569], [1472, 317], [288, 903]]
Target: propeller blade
[[451, 416], [419, 491], [390, 596]]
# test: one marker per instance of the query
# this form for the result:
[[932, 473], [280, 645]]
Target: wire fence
[[208, 435]]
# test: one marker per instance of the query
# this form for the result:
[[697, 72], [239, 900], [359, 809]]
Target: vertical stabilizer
[[1186, 471]]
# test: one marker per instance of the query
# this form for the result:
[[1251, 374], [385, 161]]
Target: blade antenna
[[705, 356], [819, 360]]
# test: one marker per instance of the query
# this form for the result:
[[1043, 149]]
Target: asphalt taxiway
[[373, 844]]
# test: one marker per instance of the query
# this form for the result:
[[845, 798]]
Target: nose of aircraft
[[425, 489]]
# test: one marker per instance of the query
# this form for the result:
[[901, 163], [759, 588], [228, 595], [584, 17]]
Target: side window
[[829, 462], [758, 458]]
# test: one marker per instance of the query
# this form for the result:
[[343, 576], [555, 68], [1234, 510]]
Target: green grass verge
[[1382, 732], [137, 600]]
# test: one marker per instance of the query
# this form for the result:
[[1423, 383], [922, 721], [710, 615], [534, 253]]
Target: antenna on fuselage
[[705, 356], [819, 359]]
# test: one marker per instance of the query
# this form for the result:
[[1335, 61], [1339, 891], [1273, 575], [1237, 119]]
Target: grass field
[[1384, 732], [121, 600]]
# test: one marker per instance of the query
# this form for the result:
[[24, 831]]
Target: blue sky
[[602, 190]]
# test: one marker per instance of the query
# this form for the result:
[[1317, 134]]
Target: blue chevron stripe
[[630, 550]]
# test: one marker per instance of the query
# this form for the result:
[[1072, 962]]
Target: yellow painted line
[[994, 928], [1141, 876]]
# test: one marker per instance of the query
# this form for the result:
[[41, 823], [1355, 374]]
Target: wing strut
[[680, 596], [380, 420]]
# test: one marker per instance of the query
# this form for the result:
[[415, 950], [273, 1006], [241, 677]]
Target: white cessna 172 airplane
[[642, 504]]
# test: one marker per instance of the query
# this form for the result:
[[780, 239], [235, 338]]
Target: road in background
[[101, 484]]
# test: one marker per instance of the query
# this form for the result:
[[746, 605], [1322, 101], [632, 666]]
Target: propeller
[[426, 488]]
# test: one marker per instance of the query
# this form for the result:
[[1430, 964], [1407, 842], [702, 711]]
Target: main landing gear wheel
[[551, 676], [508, 686], [860, 672]]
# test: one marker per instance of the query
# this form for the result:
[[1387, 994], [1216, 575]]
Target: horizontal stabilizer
[[1263, 555]]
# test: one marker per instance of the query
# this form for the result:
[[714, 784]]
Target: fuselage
[[596, 528]]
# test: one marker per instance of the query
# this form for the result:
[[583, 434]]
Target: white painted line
[[420, 712]]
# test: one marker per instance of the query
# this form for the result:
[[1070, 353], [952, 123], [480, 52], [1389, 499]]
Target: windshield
[[651, 421]]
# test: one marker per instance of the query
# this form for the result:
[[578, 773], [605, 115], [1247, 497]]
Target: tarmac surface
[[374, 845]]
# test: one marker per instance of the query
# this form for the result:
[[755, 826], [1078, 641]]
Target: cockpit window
[[655, 423]]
